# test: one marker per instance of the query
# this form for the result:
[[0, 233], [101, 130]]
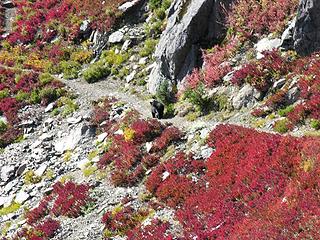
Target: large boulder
[[190, 24], [307, 29]]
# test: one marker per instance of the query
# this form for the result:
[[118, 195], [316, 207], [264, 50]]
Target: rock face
[[190, 23], [307, 29]]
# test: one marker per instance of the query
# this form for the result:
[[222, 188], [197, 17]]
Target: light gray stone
[[7, 172], [41, 170], [70, 141], [267, 44], [244, 97], [22, 197], [116, 37]]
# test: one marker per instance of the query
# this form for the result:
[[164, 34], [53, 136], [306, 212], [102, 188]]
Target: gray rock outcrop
[[307, 29], [190, 24]]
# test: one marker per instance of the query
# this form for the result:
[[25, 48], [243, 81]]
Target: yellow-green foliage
[[65, 178], [69, 106], [315, 124], [192, 116], [10, 209], [307, 165], [128, 134], [96, 72], [67, 156], [149, 47], [82, 56], [89, 170], [3, 126], [259, 123], [49, 174], [117, 209], [31, 178], [93, 154], [281, 126], [169, 153], [70, 69], [6, 227], [112, 59], [4, 93], [22, 96], [45, 78]]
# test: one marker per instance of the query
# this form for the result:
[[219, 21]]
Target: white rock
[[278, 84], [73, 120], [266, 44], [46, 137], [6, 172], [102, 137], [165, 175], [70, 141], [48, 122], [126, 45], [36, 144], [124, 7], [6, 201], [148, 146], [49, 108], [21, 197], [9, 186], [132, 58], [130, 77], [244, 97], [85, 25], [40, 171], [116, 37], [119, 132], [143, 61]]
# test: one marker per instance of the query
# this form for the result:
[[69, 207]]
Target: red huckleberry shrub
[[70, 198]]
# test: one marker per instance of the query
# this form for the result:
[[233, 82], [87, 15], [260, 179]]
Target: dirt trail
[[94, 91]]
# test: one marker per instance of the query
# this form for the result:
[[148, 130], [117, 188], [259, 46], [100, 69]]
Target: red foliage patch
[[261, 73], [273, 16]]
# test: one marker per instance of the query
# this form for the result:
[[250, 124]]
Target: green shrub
[[95, 72], [3, 126], [68, 104], [70, 69], [35, 97], [13, 207], [82, 56], [45, 78], [149, 47], [164, 94], [123, 72], [222, 102], [160, 13], [281, 126], [284, 111], [4, 93], [315, 124], [154, 28], [22, 96], [50, 94], [156, 4], [169, 110], [198, 97], [112, 59]]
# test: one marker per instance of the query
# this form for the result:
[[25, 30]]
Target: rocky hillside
[[236, 156]]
